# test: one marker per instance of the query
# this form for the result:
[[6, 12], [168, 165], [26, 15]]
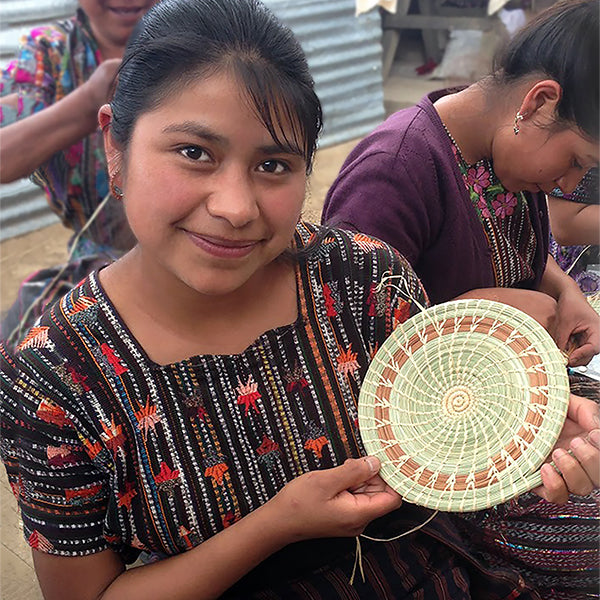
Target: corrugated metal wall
[[343, 51]]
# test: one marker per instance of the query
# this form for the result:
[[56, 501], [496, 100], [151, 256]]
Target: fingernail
[[558, 454], [548, 469], [577, 442], [373, 464], [594, 437]]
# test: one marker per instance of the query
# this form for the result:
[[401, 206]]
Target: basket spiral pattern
[[463, 403]]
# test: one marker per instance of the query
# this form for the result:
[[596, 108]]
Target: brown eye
[[273, 166], [195, 153]]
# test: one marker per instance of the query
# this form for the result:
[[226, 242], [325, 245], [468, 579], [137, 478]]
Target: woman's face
[[112, 21], [211, 198], [540, 158]]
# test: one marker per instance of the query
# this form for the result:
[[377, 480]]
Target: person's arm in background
[[578, 324], [574, 223], [31, 141]]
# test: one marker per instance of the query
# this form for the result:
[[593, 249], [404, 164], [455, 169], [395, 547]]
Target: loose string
[[18, 329], [358, 551]]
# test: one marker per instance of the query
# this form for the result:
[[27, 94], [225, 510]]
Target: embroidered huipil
[[105, 448]]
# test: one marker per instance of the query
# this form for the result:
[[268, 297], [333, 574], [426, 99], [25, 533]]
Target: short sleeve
[[35, 75], [51, 463], [387, 290]]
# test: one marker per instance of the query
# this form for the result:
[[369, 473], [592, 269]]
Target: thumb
[[584, 412], [354, 472]]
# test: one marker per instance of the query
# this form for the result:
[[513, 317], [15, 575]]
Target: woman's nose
[[234, 199], [569, 181]]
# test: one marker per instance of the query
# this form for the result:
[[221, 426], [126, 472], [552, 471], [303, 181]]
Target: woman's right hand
[[98, 87], [337, 502]]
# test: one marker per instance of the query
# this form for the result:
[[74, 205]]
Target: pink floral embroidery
[[478, 178], [504, 204], [347, 363], [147, 417], [483, 207]]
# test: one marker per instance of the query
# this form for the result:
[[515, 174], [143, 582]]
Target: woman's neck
[[172, 321], [472, 121]]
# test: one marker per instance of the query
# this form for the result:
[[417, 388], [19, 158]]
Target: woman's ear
[[541, 100], [114, 155]]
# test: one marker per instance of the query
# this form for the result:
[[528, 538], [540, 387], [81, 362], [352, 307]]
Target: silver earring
[[117, 192], [518, 117]]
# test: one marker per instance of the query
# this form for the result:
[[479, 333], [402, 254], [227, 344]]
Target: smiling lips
[[127, 12], [222, 248]]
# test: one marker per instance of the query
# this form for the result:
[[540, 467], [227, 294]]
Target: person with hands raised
[[49, 100], [194, 403]]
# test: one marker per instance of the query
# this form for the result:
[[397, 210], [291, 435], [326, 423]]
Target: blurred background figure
[[575, 223], [49, 100]]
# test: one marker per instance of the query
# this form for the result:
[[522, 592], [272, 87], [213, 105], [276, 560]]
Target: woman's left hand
[[579, 469], [578, 328]]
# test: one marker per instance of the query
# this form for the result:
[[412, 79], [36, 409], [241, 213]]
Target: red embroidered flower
[[401, 312], [39, 542], [483, 207], [267, 446], [113, 436], [248, 394], [504, 205], [329, 301], [478, 178], [127, 495]]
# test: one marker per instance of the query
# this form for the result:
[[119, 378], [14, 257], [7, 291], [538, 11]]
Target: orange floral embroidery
[[36, 338], [216, 472], [366, 243], [82, 303], [316, 446], [51, 413]]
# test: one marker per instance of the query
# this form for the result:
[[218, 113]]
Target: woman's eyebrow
[[196, 129], [281, 148]]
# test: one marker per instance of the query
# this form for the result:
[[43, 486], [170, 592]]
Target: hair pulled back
[[180, 41], [562, 44]]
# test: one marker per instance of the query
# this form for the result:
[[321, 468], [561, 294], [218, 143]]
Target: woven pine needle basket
[[463, 403]]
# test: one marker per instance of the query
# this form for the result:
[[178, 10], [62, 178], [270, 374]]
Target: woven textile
[[463, 403]]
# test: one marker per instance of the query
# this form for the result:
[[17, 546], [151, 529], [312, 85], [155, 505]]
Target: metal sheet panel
[[343, 52], [344, 55]]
